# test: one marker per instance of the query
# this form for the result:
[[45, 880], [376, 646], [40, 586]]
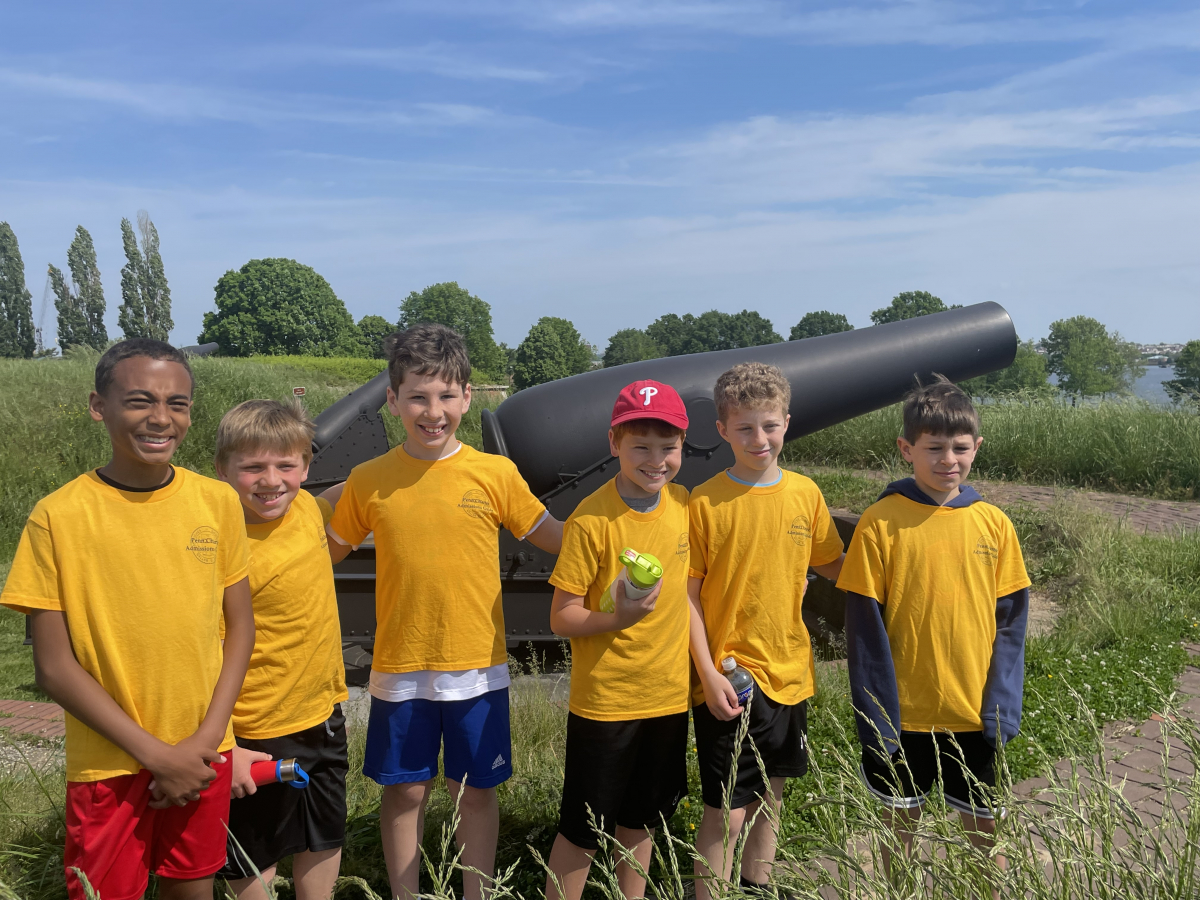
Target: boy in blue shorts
[[440, 668], [937, 600]]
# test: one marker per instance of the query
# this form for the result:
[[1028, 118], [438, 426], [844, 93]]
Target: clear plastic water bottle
[[742, 681], [641, 573]]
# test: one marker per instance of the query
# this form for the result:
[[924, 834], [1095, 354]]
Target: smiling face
[[147, 409], [267, 481], [756, 436], [431, 409], [941, 463], [648, 461]]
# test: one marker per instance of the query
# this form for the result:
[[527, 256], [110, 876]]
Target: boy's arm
[[570, 617], [1002, 694], [181, 771], [831, 570], [239, 644], [873, 688], [719, 695], [547, 535], [337, 550]]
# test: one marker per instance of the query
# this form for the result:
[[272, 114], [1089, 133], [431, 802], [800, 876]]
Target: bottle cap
[[728, 664], [644, 569]]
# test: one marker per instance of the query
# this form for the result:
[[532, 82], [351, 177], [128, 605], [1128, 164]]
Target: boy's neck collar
[[411, 455], [112, 482], [771, 482], [908, 487], [135, 477]]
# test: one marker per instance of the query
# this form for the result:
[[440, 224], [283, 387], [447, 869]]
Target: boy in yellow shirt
[[936, 606], [440, 669], [289, 707], [755, 530], [627, 726], [126, 572]]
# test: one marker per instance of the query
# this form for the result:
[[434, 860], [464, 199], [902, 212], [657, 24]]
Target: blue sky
[[614, 160]]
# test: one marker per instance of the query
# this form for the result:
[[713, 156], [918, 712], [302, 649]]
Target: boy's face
[[756, 435], [147, 409], [267, 481], [648, 461], [431, 409], [940, 462]]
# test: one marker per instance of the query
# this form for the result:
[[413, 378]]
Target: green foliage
[[909, 305], [16, 308], [1088, 360], [80, 306], [579, 353], [450, 305], [819, 322], [630, 345], [540, 357], [1027, 376], [1185, 386], [713, 330], [145, 309], [278, 307], [374, 329], [350, 369]]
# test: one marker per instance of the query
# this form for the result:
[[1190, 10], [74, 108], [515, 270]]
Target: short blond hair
[[751, 385], [265, 425]]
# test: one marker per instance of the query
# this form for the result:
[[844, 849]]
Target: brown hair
[[428, 349], [645, 426], [751, 385], [265, 425], [131, 347], [940, 408]]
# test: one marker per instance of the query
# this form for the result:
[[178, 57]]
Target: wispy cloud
[[437, 58]]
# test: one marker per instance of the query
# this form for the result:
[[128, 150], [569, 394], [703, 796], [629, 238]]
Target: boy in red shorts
[[126, 572]]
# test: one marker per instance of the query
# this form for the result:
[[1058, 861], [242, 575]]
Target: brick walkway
[[36, 719]]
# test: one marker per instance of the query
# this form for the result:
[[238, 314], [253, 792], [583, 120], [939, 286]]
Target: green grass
[[1125, 446]]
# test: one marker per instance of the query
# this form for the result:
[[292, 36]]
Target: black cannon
[[556, 434]]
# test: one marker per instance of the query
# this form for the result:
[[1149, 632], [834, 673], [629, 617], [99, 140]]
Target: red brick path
[[37, 719]]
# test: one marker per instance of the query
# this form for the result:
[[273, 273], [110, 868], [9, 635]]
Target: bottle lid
[[728, 664], [644, 569]]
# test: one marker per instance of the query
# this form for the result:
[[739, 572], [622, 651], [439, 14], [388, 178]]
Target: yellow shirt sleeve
[[326, 509], [522, 510], [697, 541], [578, 564], [826, 542], [1010, 564], [33, 579], [349, 520], [864, 571], [237, 550]]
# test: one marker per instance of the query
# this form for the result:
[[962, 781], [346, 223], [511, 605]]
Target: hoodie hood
[[907, 487]]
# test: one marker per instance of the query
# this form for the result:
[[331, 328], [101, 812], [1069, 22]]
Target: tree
[[450, 305], [579, 352], [630, 345], [1088, 360], [80, 305], [909, 305], [1027, 375], [819, 322], [713, 330], [278, 307], [374, 330], [540, 358], [145, 309], [1185, 387], [16, 304]]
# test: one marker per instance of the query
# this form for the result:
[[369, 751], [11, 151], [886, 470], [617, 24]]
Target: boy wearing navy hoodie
[[936, 607]]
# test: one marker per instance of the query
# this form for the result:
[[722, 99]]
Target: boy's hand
[[243, 785], [629, 612], [720, 697], [181, 772]]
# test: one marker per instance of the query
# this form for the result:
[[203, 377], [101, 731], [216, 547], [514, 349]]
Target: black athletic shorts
[[968, 772], [278, 820], [631, 773], [780, 733]]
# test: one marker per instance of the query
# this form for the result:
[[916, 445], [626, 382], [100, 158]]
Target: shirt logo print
[[203, 545], [682, 546], [986, 552], [475, 503], [799, 531]]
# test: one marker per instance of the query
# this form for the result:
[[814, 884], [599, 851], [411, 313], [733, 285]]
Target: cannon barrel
[[556, 433]]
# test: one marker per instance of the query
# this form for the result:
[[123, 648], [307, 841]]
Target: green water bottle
[[641, 573]]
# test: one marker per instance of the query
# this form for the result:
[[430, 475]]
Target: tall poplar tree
[[16, 305], [145, 309], [80, 305]]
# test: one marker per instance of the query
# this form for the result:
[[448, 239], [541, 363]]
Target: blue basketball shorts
[[404, 739]]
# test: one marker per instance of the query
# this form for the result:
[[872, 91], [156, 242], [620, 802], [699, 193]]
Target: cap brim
[[676, 421]]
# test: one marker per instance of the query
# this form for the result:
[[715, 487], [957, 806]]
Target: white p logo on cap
[[648, 392]]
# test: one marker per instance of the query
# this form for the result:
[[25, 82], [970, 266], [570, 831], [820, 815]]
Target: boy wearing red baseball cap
[[628, 722]]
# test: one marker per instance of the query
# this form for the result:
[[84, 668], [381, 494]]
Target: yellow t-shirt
[[753, 546], [437, 546], [639, 672], [296, 673], [938, 572], [140, 578]]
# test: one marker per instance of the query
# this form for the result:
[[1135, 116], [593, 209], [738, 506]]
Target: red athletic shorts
[[117, 840]]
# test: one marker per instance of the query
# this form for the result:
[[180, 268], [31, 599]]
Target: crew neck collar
[[752, 484], [440, 461], [118, 491]]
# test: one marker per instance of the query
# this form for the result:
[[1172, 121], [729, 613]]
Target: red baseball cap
[[650, 400]]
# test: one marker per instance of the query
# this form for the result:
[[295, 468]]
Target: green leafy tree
[[1185, 386], [17, 338], [374, 329], [713, 330], [540, 358], [448, 304], [145, 309], [909, 305], [579, 352], [1088, 360], [80, 305], [1026, 376], [630, 345], [819, 322], [279, 307]]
